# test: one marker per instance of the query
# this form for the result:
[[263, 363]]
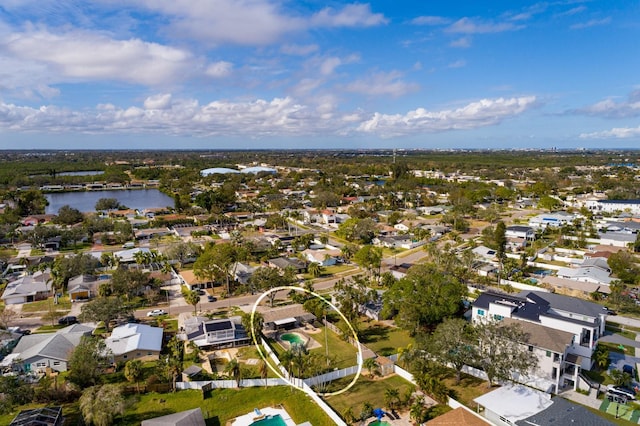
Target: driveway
[[619, 340]]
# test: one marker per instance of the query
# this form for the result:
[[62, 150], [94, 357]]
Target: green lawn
[[225, 404], [365, 390], [71, 413], [614, 328], [382, 339], [64, 304], [468, 389]]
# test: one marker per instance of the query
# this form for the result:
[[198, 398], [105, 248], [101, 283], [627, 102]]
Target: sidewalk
[[590, 400]]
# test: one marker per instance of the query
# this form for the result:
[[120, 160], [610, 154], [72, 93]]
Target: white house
[[512, 403], [37, 352], [613, 206], [520, 231], [28, 288], [135, 341], [584, 320], [554, 220]]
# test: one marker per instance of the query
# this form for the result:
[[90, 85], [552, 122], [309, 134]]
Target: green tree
[[233, 370], [101, 405], [87, 361], [370, 258], [68, 215], [423, 298], [549, 203], [134, 372], [104, 309], [372, 367], [452, 343], [315, 269], [501, 350], [107, 204], [255, 328], [218, 261], [192, 298], [392, 398], [357, 230], [266, 278]]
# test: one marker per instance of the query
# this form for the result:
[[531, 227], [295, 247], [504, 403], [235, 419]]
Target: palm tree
[[372, 365], [391, 398], [133, 372], [416, 412], [263, 368], [315, 269], [192, 297], [348, 416], [253, 329], [233, 369]]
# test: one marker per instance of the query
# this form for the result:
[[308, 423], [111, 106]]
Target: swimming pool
[[379, 423], [292, 338], [276, 420]]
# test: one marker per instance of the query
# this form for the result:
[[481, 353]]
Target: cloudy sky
[[265, 74]]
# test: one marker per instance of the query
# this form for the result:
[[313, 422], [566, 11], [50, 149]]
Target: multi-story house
[[563, 331]]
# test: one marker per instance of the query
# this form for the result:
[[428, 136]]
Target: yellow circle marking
[[313, 293]]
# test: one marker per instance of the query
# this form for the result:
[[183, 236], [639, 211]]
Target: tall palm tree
[[233, 369], [372, 366], [263, 368], [315, 269], [417, 411], [392, 398]]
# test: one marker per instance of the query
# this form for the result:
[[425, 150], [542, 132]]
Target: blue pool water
[[276, 420]]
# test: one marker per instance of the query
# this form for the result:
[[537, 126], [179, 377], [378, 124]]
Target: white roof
[[515, 402], [132, 337]]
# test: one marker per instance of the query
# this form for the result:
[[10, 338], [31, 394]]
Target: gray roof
[[566, 303], [184, 418], [56, 345], [563, 412]]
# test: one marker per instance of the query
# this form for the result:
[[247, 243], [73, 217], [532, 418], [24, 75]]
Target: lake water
[[85, 201], [83, 173]]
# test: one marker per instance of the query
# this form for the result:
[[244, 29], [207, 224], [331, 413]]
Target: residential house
[[461, 416], [617, 239], [284, 263], [564, 412], [28, 288], [585, 320], [83, 287], [485, 253], [511, 403], [45, 416], [192, 417], [242, 272], [400, 271], [591, 274], [613, 206], [189, 279], [135, 341], [554, 220], [148, 234], [519, 231], [398, 241], [216, 333], [37, 352], [570, 287], [322, 257]]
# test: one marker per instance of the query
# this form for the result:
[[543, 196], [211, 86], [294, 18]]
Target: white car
[[156, 313]]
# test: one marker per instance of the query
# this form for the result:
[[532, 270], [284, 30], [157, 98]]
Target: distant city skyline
[[269, 74]]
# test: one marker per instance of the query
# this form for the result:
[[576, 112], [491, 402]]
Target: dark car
[[67, 320], [629, 370], [211, 298]]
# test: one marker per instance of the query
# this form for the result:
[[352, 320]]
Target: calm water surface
[[85, 201]]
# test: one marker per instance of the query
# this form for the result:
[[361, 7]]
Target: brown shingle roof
[[543, 337], [457, 417]]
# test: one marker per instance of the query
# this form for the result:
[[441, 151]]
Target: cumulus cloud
[[485, 112], [609, 108], [251, 22], [382, 84], [475, 26], [86, 56], [615, 133], [219, 69], [430, 20], [158, 101], [277, 117], [591, 23]]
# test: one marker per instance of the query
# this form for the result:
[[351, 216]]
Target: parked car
[[156, 313], [629, 370], [621, 391], [68, 320], [211, 298]]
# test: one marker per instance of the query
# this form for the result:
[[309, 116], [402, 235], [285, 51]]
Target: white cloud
[[381, 84], [474, 26], [219, 69], [608, 108], [158, 101], [591, 23], [250, 22], [430, 20], [615, 133], [277, 117], [298, 49], [462, 42], [460, 63], [485, 112], [81, 55], [329, 65], [572, 11]]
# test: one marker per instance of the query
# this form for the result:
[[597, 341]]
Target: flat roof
[[515, 402]]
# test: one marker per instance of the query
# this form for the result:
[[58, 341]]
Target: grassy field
[[365, 390], [224, 405], [64, 304], [468, 389], [382, 339]]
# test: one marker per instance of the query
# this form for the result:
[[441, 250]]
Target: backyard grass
[[71, 413], [623, 331], [382, 339], [365, 390], [613, 347], [64, 304], [225, 404], [468, 389]]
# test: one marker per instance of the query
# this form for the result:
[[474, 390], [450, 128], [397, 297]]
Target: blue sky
[[218, 74]]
